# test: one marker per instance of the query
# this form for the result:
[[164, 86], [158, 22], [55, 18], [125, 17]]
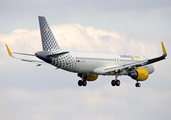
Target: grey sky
[[41, 93], [109, 15]]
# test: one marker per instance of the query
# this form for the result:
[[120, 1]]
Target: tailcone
[[43, 55]]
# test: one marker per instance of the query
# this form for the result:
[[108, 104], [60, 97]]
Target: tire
[[113, 82], [80, 83], [118, 83], [84, 82], [137, 85]]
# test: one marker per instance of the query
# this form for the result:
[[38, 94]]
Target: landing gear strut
[[116, 82]]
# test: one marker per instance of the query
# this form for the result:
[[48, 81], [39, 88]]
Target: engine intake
[[139, 74]]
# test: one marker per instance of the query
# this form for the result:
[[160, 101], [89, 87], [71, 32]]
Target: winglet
[[9, 52], [164, 51]]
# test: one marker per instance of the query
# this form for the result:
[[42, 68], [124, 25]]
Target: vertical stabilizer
[[48, 40]]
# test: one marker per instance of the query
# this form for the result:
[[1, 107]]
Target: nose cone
[[43, 55]]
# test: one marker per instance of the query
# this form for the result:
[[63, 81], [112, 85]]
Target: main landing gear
[[116, 82], [82, 82]]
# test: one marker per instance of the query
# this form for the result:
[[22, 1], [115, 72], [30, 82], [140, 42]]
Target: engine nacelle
[[139, 74], [91, 77], [88, 77]]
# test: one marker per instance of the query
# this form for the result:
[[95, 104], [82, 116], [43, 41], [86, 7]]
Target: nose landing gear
[[137, 84]]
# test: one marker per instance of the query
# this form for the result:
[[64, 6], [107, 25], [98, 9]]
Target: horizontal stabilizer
[[57, 54]]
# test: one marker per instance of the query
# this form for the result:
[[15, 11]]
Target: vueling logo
[[126, 56], [136, 57], [130, 56]]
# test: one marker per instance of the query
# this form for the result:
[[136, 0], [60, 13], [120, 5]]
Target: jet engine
[[91, 77], [139, 74], [88, 77]]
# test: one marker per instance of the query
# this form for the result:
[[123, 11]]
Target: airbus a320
[[89, 65]]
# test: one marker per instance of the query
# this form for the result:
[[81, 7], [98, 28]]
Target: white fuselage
[[88, 62]]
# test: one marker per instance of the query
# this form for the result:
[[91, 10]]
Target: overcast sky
[[125, 26]]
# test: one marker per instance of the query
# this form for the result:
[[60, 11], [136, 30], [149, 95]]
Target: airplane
[[89, 65]]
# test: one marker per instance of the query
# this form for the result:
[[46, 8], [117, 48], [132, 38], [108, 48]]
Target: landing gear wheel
[[117, 83], [80, 83], [137, 85], [84, 82], [113, 82]]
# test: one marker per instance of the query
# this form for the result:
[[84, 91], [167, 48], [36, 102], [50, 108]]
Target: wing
[[157, 58], [39, 63], [132, 65], [103, 70]]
